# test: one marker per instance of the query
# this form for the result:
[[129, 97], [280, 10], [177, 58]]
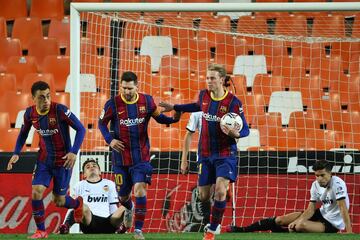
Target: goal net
[[296, 73]]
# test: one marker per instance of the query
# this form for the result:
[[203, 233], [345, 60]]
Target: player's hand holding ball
[[231, 124]]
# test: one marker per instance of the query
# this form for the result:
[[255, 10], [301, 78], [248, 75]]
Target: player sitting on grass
[[331, 217], [100, 211]]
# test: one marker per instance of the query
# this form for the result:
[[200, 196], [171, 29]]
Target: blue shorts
[[43, 174], [127, 176], [210, 169]]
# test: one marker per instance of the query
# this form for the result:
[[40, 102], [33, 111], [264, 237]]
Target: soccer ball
[[232, 121]]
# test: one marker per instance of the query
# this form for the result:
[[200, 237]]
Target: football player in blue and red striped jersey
[[56, 155], [129, 114], [217, 153]]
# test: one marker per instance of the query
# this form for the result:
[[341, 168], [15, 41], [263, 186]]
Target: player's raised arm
[[161, 118], [24, 131]]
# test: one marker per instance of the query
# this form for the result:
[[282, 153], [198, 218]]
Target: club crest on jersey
[[106, 188], [142, 109], [223, 109], [52, 121]]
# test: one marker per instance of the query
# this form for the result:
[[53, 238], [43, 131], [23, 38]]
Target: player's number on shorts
[[118, 179]]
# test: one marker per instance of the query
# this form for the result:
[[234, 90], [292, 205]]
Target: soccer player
[[129, 114], [217, 163], [56, 155], [331, 217], [100, 211]]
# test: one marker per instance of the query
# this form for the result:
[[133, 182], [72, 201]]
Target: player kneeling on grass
[[331, 217], [100, 211]]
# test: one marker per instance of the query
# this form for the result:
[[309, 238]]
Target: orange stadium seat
[[30, 78], [20, 66], [198, 51], [175, 67], [25, 29], [61, 97], [98, 29], [283, 139], [318, 139], [13, 9], [346, 51], [166, 138], [93, 141], [11, 136], [42, 47], [161, 1], [59, 66], [293, 25], [178, 35], [239, 84], [329, 26], [4, 121], [252, 25], [136, 32], [18, 102], [97, 65], [91, 106], [60, 29], [265, 85], [227, 50], [349, 91], [268, 119], [47, 9], [221, 23], [356, 27], [7, 83], [8, 48], [289, 68], [305, 120], [3, 30], [254, 106]]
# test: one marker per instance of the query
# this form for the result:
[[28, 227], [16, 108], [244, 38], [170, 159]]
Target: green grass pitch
[[195, 236]]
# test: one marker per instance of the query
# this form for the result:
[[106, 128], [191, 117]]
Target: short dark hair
[[129, 77], [89, 161], [322, 164], [39, 85]]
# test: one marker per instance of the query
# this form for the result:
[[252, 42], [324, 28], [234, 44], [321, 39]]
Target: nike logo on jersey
[[205, 103], [121, 112]]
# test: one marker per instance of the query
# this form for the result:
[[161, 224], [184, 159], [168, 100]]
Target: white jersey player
[[194, 124], [331, 217], [100, 198]]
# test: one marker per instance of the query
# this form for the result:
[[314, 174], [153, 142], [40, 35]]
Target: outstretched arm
[[163, 119], [345, 215], [190, 107]]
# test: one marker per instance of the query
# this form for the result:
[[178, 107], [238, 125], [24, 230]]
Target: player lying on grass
[[100, 211], [331, 217]]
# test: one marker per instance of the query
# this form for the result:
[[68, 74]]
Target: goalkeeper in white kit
[[100, 212]]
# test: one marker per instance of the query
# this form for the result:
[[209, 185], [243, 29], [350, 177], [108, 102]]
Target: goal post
[[299, 92]]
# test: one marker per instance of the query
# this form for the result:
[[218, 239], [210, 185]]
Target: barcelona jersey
[[130, 120], [213, 143], [53, 129]]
